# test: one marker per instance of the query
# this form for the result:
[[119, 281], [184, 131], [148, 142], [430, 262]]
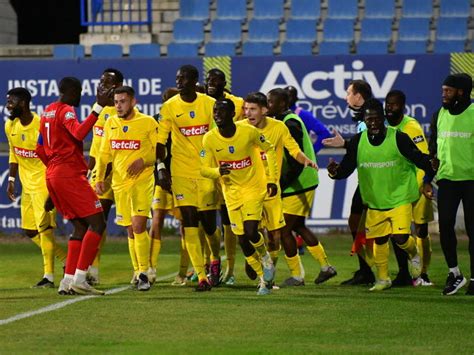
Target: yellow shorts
[[250, 211], [135, 201], [423, 210], [272, 216], [109, 193], [162, 199], [299, 205], [200, 193], [382, 223], [33, 214]]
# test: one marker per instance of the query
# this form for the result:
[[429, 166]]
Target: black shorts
[[357, 206]]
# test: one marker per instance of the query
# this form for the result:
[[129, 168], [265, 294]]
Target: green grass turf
[[326, 318]]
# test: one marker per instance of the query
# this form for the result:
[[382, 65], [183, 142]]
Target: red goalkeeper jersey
[[60, 143]]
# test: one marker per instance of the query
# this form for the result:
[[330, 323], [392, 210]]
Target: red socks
[[73, 251], [90, 246]]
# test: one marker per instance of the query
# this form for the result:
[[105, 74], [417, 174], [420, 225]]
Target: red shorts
[[73, 197]]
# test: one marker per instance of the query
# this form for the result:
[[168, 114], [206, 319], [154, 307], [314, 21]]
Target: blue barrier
[[130, 13]]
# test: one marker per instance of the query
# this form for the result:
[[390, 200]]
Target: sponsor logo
[[119, 217], [98, 204], [49, 114], [418, 139], [113, 127], [98, 131], [69, 115], [263, 156], [218, 150], [180, 115], [156, 200], [191, 131], [179, 196], [455, 134], [237, 164], [231, 149], [124, 144], [25, 153], [378, 165]]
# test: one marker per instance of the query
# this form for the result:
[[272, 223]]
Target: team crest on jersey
[[69, 116], [231, 149], [418, 139], [106, 116], [23, 137], [262, 138], [125, 128], [192, 114], [179, 196], [202, 154]]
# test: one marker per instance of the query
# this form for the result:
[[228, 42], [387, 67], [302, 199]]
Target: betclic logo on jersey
[[191, 131], [237, 164], [98, 131], [124, 144], [25, 153]]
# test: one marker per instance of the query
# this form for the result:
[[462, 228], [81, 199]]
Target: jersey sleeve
[[164, 127], [208, 161], [11, 155], [289, 142], [153, 136], [70, 122], [105, 155], [267, 147], [415, 132]]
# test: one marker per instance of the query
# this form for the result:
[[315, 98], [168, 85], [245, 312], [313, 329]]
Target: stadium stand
[[106, 51], [263, 30], [417, 8], [183, 49], [68, 51], [376, 29], [455, 8], [300, 30], [376, 9], [448, 46], [226, 30], [305, 10], [451, 29], [231, 10], [327, 48], [372, 47], [414, 29], [257, 48], [194, 9], [410, 47], [296, 48], [219, 49], [145, 50], [338, 30], [268, 9], [188, 31], [342, 9]]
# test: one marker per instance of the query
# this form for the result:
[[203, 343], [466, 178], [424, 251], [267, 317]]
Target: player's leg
[[403, 277], [292, 257], [422, 215], [157, 222], [230, 245], [379, 229]]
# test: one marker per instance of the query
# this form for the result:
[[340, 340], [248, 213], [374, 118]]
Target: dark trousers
[[450, 194]]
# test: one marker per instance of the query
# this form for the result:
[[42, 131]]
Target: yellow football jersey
[[22, 141], [279, 135], [187, 122], [125, 141], [98, 130], [247, 179], [239, 106]]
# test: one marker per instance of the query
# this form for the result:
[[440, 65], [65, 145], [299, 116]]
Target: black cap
[[459, 81]]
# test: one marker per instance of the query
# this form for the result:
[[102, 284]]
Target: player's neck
[[263, 123], [26, 118], [228, 131], [188, 97]]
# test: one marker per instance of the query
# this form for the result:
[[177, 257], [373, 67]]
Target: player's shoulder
[[107, 112], [234, 98], [210, 135], [9, 123], [413, 125], [205, 98]]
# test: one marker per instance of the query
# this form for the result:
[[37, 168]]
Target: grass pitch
[[324, 318]]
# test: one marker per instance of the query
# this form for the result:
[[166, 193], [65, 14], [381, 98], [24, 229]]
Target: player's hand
[[332, 167], [49, 205], [100, 187], [435, 164], [335, 142], [272, 189], [309, 162], [104, 96], [164, 179], [136, 167], [428, 191], [11, 190], [224, 169]]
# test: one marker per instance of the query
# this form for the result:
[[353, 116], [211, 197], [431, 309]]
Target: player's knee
[[422, 230], [401, 238], [98, 227], [30, 233]]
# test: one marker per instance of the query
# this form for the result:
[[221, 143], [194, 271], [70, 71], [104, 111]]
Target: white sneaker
[[415, 266], [83, 288], [151, 275], [268, 268], [134, 279], [262, 288], [179, 281], [65, 287], [381, 285], [143, 282], [92, 276]]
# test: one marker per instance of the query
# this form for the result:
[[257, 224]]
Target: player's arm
[[433, 143], [348, 164], [410, 151], [322, 132], [209, 168], [164, 129], [294, 168], [40, 150], [265, 145], [294, 149], [13, 165], [103, 161]]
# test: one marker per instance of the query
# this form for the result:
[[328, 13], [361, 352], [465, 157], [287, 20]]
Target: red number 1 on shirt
[[46, 124]]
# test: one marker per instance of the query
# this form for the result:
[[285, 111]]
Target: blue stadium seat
[[334, 48], [268, 9], [301, 30], [372, 47], [455, 8], [144, 50], [449, 46], [376, 29], [305, 9], [106, 51], [68, 51], [338, 30], [342, 9], [379, 9], [263, 30], [231, 10], [296, 48], [257, 49], [417, 8], [194, 9], [410, 47], [183, 49], [215, 49], [188, 31], [451, 28], [226, 30], [414, 29]]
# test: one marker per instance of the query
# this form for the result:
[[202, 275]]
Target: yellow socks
[[230, 245], [37, 240], [255, 263], [260, 245], [294, 264], [206, 251], [319, 254], [47, 249], [193, 245], [381, 260], [214, 242], [142, 250], [154, 252], [410, 247], [133, 255], [424, 249], [274, 256]]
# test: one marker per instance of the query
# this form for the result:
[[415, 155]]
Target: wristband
[[161, 166], [97, 108], [11, 179]]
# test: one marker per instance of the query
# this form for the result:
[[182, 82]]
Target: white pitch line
[[63, 304]]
